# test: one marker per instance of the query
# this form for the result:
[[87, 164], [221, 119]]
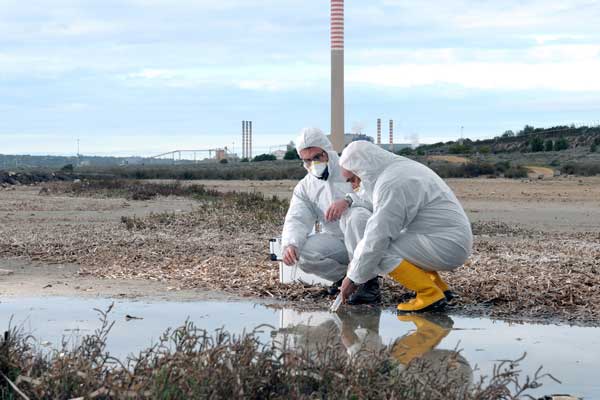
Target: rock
[[5, 272]]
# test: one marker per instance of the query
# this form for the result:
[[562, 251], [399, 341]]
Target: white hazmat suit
[[416, 216], [323, 254]]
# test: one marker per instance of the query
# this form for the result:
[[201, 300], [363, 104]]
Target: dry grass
[[450, 159], [222, 245], [188, 362]]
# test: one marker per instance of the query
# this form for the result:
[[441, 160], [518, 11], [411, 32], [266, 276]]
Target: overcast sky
[[147, 76]]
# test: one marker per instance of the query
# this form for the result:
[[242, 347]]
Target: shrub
[[67, 168], [460, 149], [549, 145], [223, 161], [561, 144], [516, 172], [189, 362], [407, 151], [581, 168], [537, 144], [291, 154], [502, 166], [264, 157]]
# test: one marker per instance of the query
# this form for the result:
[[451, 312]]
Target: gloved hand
[[335, 210], [290, 255], [348, 287]]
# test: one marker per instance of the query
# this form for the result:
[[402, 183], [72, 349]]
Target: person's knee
[[356, 218]]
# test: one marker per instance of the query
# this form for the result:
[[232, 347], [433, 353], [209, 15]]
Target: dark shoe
[[335, 287], [450, 295], [367, 293]]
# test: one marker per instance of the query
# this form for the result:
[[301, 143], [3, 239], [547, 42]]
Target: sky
[[142, 77]]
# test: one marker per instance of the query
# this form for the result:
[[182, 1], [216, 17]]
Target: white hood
[[367, 161], [313, 137]]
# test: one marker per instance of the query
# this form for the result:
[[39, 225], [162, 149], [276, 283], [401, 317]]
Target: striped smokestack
[[250, 139], [337, 74], [378, 130]]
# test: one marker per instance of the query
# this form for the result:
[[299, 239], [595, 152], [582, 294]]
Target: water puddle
[[568, 353]]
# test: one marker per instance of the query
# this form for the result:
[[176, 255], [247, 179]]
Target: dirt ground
[[566, 209], [559, 204]]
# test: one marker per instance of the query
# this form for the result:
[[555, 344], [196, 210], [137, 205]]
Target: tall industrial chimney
[[337, 74], [391, 135], [249, 128], [243, 139], [378, 130]]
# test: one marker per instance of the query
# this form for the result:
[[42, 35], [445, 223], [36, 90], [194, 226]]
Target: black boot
[[367, 293], [335, 287]]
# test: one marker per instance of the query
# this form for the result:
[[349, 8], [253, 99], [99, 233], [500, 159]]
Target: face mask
[[318, 169]]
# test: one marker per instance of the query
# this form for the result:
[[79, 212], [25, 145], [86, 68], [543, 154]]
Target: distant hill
[[529, 139], [15, 162]]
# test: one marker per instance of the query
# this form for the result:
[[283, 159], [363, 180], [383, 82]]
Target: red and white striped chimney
[[378, 130], [337, 25], [337, 74]]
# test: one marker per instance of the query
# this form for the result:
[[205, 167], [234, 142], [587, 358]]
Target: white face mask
[[317, 168]]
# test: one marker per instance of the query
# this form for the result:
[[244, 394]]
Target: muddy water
[[569, 353]]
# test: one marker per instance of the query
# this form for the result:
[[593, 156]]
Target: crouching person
[[319, 194], [417, 227]]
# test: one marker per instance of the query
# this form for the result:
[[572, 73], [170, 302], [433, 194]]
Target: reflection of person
[[319, 197], [417, 226], [416, 352], [356, 332]]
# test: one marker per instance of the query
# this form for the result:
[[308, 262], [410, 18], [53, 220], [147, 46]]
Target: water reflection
[[357, 333]]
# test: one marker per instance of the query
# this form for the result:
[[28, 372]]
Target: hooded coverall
[[323, 254], [416, 216]]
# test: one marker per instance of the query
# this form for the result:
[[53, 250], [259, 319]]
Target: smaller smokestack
[[391, 131], [378, 130], [243, 139], [250, 141]]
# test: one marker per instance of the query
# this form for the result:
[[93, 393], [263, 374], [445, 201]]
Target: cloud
[[489, 76]]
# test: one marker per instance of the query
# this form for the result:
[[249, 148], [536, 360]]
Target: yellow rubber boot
[[429, 295], [427, 336], [437, 279]]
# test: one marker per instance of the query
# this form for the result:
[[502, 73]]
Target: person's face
[[353, 179], [311, 154]]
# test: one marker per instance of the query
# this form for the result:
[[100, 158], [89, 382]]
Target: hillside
[[527, 140]]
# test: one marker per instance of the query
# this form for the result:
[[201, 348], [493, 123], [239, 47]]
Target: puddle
[[568, 353]]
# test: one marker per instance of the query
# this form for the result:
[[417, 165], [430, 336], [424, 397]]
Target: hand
[[348, 287], [290, 255], [335, 210]]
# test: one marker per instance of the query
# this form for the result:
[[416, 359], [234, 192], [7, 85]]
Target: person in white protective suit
[[417, 227], [321, 196]]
